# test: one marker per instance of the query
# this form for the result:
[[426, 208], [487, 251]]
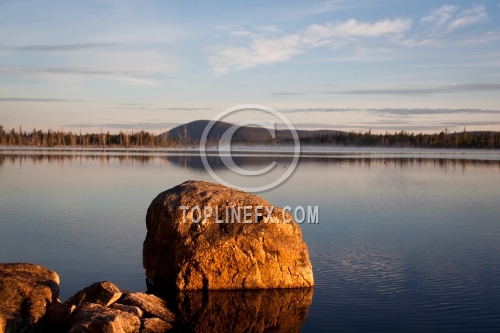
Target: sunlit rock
[[235, 240], [26, 290], [96, 318], [151, 305], [103, 293]]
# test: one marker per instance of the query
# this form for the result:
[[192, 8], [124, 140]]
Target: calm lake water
[[405, 242]]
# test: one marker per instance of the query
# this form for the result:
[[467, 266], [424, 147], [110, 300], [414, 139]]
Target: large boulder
[[26, 290], [262, 249]]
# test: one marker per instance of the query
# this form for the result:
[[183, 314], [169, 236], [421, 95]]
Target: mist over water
[[406, 241]]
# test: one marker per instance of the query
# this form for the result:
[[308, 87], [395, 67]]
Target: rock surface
[[128, 308], [95, 313], [25, 292], [151, 305], [257, 311], [104, 293], [96, 318], [187, 255]]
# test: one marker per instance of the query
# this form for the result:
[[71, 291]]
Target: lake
[[407, 240]]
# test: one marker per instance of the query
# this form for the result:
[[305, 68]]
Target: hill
[[193, 131]]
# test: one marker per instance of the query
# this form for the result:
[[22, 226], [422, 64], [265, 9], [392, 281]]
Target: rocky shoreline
[[210, 273], [30, 302]]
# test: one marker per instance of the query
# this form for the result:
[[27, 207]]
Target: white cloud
[[441, 15], [355, 28], [261, 51], [269, 50], [468, 17]]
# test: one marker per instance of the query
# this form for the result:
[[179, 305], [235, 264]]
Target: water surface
[[405, 241]]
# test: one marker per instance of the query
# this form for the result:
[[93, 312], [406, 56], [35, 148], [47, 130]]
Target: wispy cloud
[[308, 110], [406, 112], [126, 126], [186, 109], [453, 18], [441, 15], [141, 77], [471, 87], [468, 17], [63, 47], [286, 94], [26, 99], [269, 50], [142, 107], [315, 9], [397, 112], [354, 28]]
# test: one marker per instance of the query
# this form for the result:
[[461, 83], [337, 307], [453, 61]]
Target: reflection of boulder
[[244, 243], [271, 310]]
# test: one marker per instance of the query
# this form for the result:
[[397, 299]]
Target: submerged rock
[[226, 249], [26, 290]]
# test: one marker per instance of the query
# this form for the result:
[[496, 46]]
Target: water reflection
[[193, 161], [277, 310]]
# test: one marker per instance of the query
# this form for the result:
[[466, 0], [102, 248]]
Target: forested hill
[[193, 132]]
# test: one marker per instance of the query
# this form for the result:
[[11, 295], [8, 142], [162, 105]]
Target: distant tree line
[[476, 140], [60, 138]]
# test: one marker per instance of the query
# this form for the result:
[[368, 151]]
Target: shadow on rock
[[272, 310]]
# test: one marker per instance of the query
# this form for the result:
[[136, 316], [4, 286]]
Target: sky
[[384, 65]]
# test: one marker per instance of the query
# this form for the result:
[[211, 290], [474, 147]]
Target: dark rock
[[104, 293], [265, 253], [257, 311], [96, 318], [152, 305], [25, 292], [56, 316], [154, 325]]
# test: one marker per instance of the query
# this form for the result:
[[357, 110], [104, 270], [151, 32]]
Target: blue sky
[[350, 65]]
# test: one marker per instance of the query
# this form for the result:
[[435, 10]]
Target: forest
[[144, 139]]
